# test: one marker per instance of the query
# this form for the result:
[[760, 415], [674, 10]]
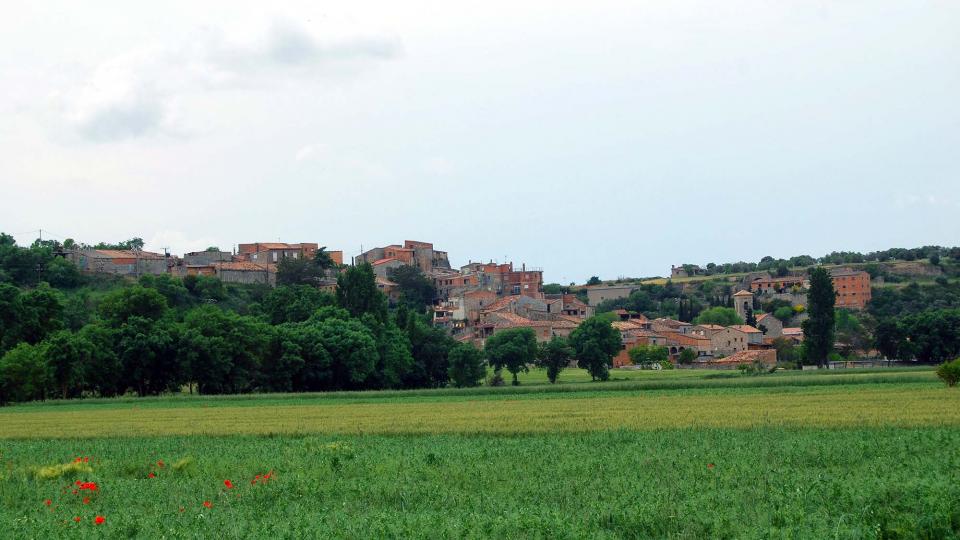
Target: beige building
[[728, 341]]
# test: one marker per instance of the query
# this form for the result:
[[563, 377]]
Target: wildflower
[[228, 483], [48, 502], [710, 465], [151, 475], [99, 520], [181, 509], [86, 460], [86, 500], [77, 519], [160, 464], [74, 492], [208, 504]]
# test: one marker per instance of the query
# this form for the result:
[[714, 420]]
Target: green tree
[[687, 356], [137, 301], [62, 273], [24, 374], [783, 314], [467, 368], [595, 342], [416, 290], [594, 280], [818, 329], [357, 292], [222, 351], [352, 349], [297, 271], [935, 259], [103, 372], [648, 355], [723, 316], [513, 349], [67, 356], [294, 303], [555, 355], [431, 349], [37, 313], [148, 353]]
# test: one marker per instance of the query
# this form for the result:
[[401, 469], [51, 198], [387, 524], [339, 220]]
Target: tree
[[62, 273], [357, 292], [594, 280], [297, 271], [137, 301], [148, 353], [352, 349], [23, 374], [221, 351], [555, 288], [648, 355], [722, 316], [431, 349], [595, 342], [513, 349], [818, 329], [782, 270], [554, 355], [37, 313], [783, 314], [687, 356], [416, 290], [751, 320], [851, 335], [935, 259], [67, 355], [294, 303], [467, 368]]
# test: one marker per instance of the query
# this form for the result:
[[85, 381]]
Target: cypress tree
[[818, 329]]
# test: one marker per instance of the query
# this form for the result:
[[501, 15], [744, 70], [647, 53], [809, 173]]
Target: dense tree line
[[781, 266], [107, 336]]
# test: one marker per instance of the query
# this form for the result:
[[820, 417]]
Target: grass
[[764, 483], [845, 454]]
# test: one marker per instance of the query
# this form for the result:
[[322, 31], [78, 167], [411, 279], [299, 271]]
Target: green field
[[681, 454]]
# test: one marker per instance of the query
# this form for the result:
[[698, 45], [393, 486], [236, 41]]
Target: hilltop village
[[479, 299]]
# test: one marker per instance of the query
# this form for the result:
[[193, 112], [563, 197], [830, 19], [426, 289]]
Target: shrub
[[949, 372]]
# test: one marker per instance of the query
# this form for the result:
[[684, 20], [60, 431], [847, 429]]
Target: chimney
[[524, 267]]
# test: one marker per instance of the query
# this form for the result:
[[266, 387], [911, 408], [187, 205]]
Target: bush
[[949, 372]]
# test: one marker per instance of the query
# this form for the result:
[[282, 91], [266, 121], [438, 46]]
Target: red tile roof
[[378, 262], [746, 329]]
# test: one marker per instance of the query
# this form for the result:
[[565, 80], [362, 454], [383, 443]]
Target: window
[[274, 256]]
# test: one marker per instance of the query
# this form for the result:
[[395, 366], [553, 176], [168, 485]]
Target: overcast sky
[[587, 138]]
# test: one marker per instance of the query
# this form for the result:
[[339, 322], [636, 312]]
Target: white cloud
[[134, 95], [311, 151], [179, 242]]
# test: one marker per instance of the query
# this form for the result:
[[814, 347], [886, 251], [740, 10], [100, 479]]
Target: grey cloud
[[122, 120], [290, 44]]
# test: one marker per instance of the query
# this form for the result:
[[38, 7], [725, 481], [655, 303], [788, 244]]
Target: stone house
[[769, 325]]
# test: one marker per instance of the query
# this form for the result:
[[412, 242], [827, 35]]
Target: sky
[[600, 138]]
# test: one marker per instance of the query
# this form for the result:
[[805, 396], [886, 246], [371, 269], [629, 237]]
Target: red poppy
[[99, 520], [228, 483], [160, 464], [181, 509], [151, 475], [86, 500], [48, 502], [208, 504], [709, 465], [74, 492], [77, 519], [86, 460], [92, 486]]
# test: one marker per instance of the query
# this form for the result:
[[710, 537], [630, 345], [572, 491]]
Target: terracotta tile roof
[[511, 320], [793, 331], [378, 262], [385, 282], [711, 326], [570, 318], [763, 316], [501, 303], [746, 329], [624, 326], [671, 322], [744, 293]]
